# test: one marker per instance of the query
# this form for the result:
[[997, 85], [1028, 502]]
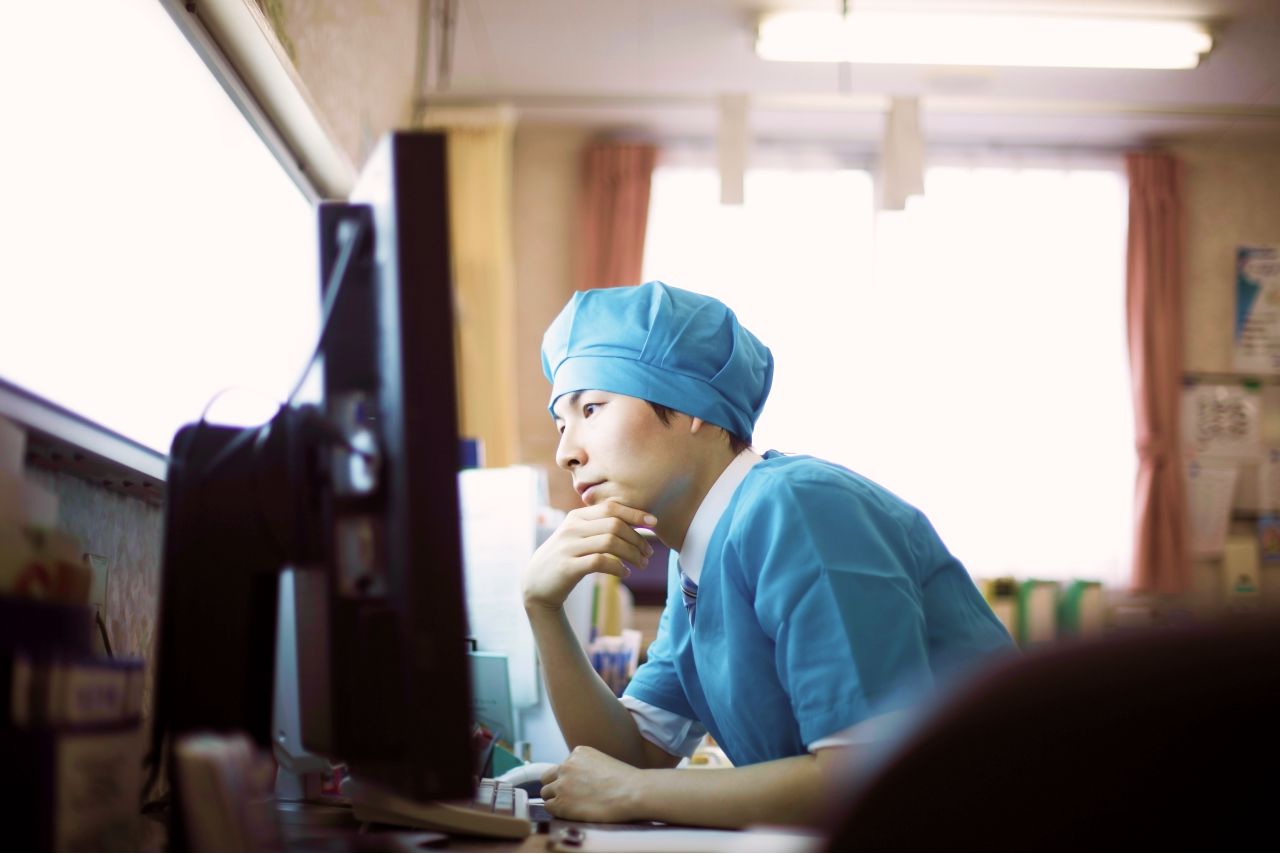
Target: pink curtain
[[613, 213], [1160, 561]]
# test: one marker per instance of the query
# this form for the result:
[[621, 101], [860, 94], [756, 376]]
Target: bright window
[[155, 251], [967, 353]]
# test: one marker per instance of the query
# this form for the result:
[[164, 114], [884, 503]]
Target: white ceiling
[[657, 66]]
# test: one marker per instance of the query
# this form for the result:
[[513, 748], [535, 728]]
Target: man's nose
[[569, 453]]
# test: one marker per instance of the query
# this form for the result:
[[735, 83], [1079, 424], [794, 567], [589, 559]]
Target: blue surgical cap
[[677, 348]]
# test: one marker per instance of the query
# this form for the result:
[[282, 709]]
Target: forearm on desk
[[791, 791], [585, 708]]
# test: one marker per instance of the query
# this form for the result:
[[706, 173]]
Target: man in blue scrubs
[[807, 607]]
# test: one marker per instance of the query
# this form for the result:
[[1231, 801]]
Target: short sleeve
[[833, 573], [677, 735]]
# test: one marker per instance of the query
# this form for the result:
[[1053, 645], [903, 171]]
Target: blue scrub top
[[824, 600]]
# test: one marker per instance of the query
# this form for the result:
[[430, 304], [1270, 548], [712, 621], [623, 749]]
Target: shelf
[[59, 440], [1229, 378]]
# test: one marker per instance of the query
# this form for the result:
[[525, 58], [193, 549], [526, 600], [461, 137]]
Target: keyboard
[[498, 810]]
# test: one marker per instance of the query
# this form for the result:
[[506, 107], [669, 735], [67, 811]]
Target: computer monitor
[[358, 496]]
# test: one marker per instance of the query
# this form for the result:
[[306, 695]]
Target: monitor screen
[[357, 495], [399, 690]]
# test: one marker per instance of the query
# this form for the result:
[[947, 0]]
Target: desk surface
[[347, 837], [619, 837]]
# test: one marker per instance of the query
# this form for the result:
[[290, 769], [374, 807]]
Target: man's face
[[615, 446]]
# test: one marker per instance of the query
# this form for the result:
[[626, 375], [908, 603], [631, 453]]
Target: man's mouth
[[584, 488]]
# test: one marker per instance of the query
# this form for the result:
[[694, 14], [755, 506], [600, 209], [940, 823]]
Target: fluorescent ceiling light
[[921, 38]]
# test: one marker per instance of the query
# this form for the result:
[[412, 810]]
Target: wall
[[128, 533], [357, 59], [544, 211], [1231, 201]]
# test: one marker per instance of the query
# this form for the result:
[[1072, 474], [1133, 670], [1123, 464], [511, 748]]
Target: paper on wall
[[1222, 421], [1210, 486], [1258, 484]]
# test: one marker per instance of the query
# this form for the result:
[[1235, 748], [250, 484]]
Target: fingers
[[619, 547], [549, 781], [590, 539], [603, 563], [612, 525], [612, 507]]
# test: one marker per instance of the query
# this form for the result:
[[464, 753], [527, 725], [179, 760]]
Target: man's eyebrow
[[573, 400]]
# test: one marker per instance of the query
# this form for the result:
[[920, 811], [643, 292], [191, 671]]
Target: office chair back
[[1160, 740]]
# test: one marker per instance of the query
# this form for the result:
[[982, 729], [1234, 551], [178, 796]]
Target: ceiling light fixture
[[920, 38]]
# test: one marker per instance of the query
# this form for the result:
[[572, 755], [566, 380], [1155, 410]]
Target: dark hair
[[736, 443]]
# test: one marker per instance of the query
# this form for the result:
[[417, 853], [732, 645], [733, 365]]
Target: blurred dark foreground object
[[1165, 740]]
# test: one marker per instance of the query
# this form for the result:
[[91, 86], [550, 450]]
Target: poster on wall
[[1257, 332]]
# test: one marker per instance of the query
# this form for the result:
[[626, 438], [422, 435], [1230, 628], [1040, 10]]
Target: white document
[[1223, 421], [1210, 486], [499, 535]]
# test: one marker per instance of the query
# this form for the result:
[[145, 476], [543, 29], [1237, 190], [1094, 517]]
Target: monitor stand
[[299, 802], [298, 789]]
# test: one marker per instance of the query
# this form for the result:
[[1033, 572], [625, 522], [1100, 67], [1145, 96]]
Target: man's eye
[[589, 408]]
